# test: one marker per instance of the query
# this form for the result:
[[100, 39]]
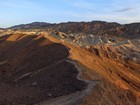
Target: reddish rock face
[[120, 65]]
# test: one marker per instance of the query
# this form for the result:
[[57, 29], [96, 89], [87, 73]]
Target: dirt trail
[[74, 98]]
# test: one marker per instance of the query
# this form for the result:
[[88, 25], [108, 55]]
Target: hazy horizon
[[17, 12]]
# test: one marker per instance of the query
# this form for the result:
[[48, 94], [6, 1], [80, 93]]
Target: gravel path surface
[[74, 98]]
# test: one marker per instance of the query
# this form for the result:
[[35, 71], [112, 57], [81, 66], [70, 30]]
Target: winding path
[[74, 98]]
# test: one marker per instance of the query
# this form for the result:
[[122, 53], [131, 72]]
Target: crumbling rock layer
[[120, 67]]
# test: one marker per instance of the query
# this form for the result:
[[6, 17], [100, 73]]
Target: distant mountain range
[[101, 28], [34, 25], [1, 29]]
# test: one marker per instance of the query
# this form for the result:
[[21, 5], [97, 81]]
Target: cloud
[[124, 10]]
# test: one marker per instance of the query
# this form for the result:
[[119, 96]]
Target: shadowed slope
[[33, 69]]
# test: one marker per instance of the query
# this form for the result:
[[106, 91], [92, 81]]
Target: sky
[[14, 12]]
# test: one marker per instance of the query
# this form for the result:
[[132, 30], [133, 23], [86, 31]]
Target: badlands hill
[[34, 69], [87, 63]]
